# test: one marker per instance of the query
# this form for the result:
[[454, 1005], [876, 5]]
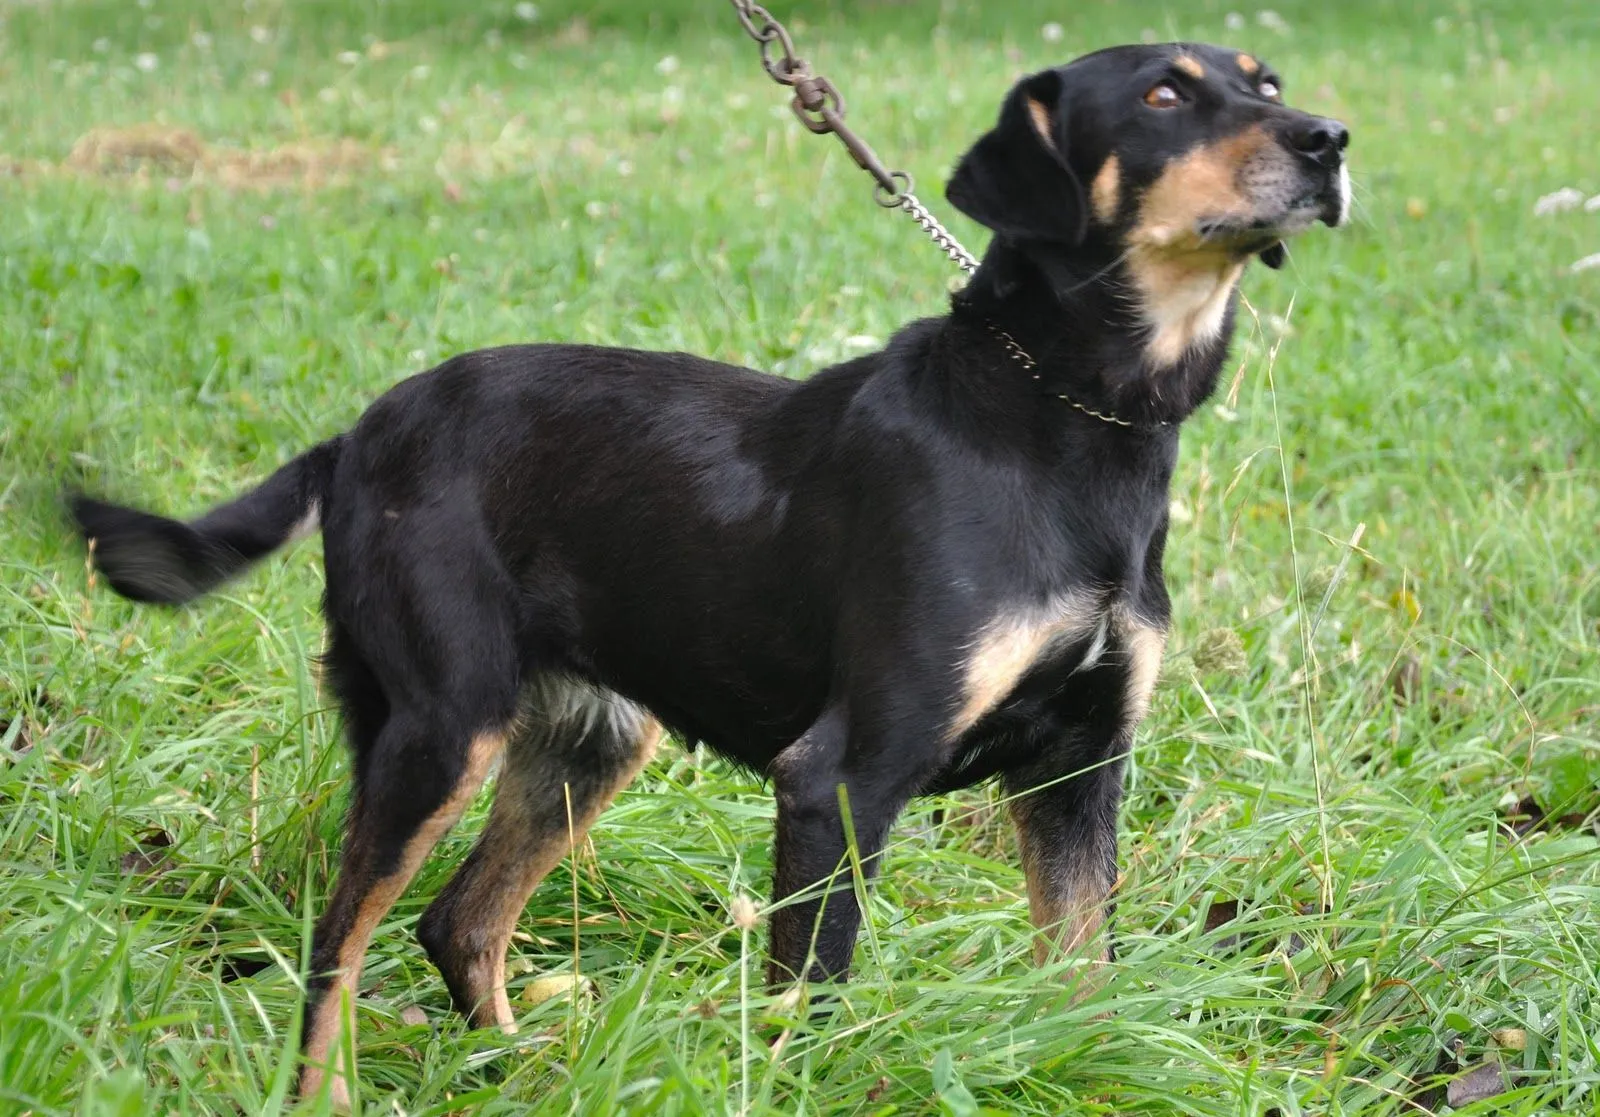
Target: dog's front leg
[[1065, 808], [815, 916]]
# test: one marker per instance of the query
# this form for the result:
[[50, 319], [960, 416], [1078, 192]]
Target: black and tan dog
[[920, 569]]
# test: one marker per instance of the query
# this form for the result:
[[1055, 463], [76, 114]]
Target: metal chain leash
[[821, 109]]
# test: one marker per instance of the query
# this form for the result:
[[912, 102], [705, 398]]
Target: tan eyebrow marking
[[1249, 65], [1189, 65]]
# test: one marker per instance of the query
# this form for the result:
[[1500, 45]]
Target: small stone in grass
[[542, 989], [1511, 1039], [1484, 1081], [150, 858], [413, 1015]]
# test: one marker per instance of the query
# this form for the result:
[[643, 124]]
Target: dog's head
[[1180, 158]]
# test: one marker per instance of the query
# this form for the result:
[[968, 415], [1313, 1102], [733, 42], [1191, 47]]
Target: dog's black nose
[[1320, 139]]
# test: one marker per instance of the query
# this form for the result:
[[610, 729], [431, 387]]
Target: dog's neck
[[1086, 320]]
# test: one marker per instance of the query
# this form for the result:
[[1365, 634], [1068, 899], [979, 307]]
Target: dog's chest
[[1069, 635]]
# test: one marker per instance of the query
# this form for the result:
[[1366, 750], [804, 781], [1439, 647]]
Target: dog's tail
[[152, 558]]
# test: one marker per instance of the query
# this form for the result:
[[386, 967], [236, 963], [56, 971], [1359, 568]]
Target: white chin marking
[[1344, 193]]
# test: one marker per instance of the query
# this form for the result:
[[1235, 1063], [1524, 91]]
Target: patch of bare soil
[[144, 152]]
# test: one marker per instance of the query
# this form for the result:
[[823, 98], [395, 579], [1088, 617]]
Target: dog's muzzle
[[1320, 143]]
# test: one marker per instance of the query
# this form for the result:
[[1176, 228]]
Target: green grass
[[168, 337]]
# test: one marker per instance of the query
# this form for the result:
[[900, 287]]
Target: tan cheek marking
[[1202, 183], [1105, 193], [325, 1028], [1249, 65], [1189, 65], [1039, 113], [1184, 283], [1008, 647], [1146, 644]]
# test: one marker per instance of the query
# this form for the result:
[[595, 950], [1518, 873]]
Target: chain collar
[[1017, 353]]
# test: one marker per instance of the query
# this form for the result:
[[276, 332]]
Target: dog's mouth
[[1263, 234]]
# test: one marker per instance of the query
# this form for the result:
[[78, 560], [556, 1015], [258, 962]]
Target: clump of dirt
[[146, 151], [308, 163], [158, 147]]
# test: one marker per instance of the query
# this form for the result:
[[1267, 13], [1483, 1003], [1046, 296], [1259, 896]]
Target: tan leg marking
[[1105, 193], [1009, 645], [1146, 644], [1190, 65], [512, 869], [1066, 912], [1249, 65], [324, 1031]]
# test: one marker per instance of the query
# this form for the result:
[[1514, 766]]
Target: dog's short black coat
[[926, 567]]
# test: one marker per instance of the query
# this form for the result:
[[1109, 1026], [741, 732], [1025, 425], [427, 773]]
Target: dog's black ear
[[1016, 180]]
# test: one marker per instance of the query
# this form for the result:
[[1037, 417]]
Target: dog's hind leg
[[577, 747], [427, 724], [396, 818]]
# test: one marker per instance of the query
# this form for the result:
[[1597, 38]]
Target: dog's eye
[[1269, 89], [1163, 96]]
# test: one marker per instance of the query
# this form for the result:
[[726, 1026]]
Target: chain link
[[821, 109], [937, 232]]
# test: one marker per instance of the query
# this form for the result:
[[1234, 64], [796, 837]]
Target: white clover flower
[[595, 210], [1592, 205], [1233, 21], [201, 40], [744, 912], [146, 61], [526, 12], [1272, 21], [1559, 201], [1585, 264], [1052, 32], [668, 65], [349, 57], [261, 34]]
